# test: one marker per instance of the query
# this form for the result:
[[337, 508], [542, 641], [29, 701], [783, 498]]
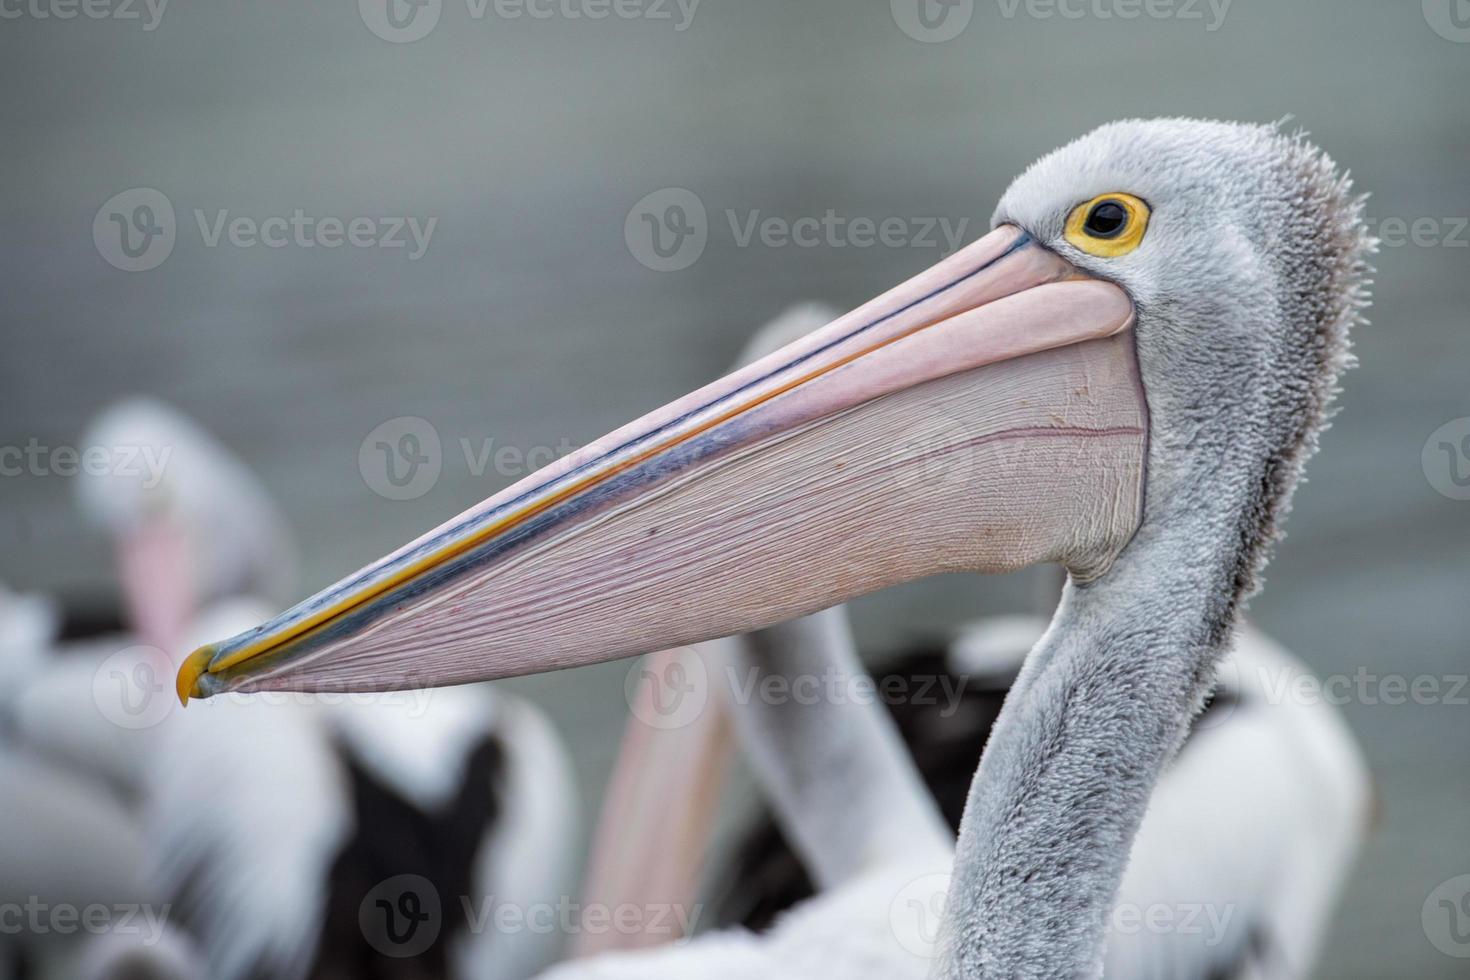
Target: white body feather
[[1251, 830]]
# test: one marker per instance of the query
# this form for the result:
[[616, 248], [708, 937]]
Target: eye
[[1108, 226]]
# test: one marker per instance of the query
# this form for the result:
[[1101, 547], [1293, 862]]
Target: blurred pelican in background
[[262, 863], [194, 537]]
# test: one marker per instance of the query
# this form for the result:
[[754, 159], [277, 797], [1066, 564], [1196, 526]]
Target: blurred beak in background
[[157, 574], [985, 415]]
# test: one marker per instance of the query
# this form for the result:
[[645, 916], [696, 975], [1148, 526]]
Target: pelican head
[[1251, 269], [188, 521], [1135, 359]]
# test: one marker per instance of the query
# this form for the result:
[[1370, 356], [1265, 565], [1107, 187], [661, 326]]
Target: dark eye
[[1108, 226], [1107, 219]]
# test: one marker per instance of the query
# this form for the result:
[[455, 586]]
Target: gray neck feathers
[[1239, 362]]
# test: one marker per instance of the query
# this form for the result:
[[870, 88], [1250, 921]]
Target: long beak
[[985, 415]]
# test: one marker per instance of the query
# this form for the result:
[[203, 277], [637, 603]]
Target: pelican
[[189, 523], [1126, 375], [467, 788], [194, 536], [196, 539], [1248, 835]]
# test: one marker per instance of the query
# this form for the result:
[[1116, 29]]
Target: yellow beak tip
[[193, 667]]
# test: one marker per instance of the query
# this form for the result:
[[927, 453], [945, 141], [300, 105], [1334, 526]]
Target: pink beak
[[985, 415]]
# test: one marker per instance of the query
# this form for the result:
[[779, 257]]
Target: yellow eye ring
[[1108, 226]]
